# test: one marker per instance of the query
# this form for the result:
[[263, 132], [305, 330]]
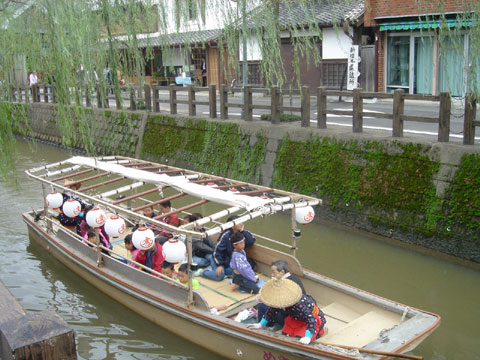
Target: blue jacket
[[224, 249]]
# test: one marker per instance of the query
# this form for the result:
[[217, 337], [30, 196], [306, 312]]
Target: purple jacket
[[240, 263]]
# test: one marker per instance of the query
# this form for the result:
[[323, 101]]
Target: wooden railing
[[150, 99]]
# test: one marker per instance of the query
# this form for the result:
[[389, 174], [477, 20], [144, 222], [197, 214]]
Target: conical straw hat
[[280, 293]]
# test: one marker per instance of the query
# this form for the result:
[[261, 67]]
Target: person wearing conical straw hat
[[304, 319]]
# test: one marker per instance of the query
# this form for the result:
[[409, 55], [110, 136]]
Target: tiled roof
[[175, 39], [325, 12]]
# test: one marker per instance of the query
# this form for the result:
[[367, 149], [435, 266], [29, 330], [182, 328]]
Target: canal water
[[106, 330]]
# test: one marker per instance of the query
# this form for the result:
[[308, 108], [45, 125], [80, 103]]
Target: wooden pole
[[45, 93], [192, 108], [99, 97], [305, 111], [133, 103], [190, 301], [173, 99], [148, 97], [469, 118], [357, 111], [374, 352], [444, 117], [294, 239], [398, 109], [247, 105], [88, 101], [156, 104], [212, 101], [223, 102], [322, 107], [274, 96]]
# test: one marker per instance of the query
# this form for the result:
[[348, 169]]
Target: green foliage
[[394, 187], [464, 197], [212, 147], [283, 117]]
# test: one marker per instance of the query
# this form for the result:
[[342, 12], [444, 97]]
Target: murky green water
[[106, 330]]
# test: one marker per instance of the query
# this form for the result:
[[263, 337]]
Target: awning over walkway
[[424, 24]]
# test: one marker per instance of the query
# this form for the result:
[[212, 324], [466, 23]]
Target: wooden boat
[[359, 325]]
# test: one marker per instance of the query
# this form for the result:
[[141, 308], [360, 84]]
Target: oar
[[375, 352]]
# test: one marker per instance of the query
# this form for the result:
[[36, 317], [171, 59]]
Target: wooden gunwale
[[192, 315]]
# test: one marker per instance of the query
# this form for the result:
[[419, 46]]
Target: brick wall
[[381, 49], [383, 8]]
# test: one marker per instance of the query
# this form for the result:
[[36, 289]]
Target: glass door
[[398, 63], [452, 64], [423, 65]]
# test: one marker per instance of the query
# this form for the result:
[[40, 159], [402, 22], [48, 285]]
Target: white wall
[[335, 44], [253, 50]]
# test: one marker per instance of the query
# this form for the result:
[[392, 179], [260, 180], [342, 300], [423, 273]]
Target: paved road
[[417, 108]]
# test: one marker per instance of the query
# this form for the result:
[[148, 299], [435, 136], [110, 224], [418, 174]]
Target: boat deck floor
[[217, 293]]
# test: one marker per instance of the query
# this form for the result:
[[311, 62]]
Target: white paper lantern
[[304, 215], [54, 200], [114, 226], [72, 208], [143, 239], [95, 218], [175, 251]]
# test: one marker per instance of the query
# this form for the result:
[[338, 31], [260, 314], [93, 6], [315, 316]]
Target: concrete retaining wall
[[370, 163]]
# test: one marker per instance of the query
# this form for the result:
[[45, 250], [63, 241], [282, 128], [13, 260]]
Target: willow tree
[[69, 43]]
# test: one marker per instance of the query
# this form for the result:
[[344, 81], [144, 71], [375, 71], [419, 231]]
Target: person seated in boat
[[131, 250], [202, 248], [68, 222], [281, 270], [304, 319], [167, 269], [147, 212], [83, 227], [163, 235], [223, 252], [151, 253], [244, 278], [182, 277], [91, 238]]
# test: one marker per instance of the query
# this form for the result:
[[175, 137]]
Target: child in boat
[[304, 319], [182, 276], [244, 277], [202, 248], [68, 222], [167, 269], [150, 253], [91, 238], [223, 252], [131, 250], [171, 219]]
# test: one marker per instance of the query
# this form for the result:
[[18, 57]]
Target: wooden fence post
[[34, 93], [357, 111], [305, 107], [156, 104], [13, 91], [212, 98], [223, 101], [192, 108], [54, 95], [444, 117], [469, 118], [148, 97], [247, 106], [99, 97], [133, 102], [173, 99], [45, 93], [397, 111], [274, 96], [322, 108], [118, 97], [88, 101]]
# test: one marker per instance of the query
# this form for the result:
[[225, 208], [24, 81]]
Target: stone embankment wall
[[420, 192]]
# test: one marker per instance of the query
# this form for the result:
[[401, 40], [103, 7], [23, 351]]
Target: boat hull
[[223, 339]]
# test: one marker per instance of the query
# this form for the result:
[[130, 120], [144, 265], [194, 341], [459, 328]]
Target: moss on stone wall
[[463, 206], [212, 147], [393, 186]]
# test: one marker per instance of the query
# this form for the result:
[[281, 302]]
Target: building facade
[[424, 47]]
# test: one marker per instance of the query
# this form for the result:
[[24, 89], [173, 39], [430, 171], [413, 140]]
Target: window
[[193, 8], [398, 63]]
